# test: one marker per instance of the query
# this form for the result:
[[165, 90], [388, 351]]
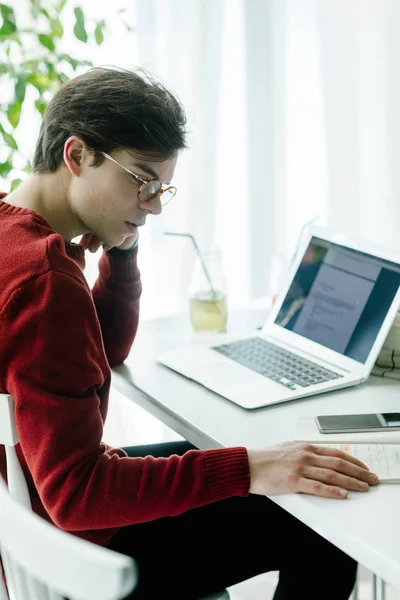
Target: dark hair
[[111, 108]]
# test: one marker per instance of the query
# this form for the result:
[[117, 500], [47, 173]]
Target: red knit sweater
[[57, 342]]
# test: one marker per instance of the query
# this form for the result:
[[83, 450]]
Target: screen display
[[339, 298]]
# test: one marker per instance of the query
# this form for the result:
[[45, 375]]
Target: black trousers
[[210, 548]]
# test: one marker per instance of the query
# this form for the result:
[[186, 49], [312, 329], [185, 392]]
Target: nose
[[154, 205]]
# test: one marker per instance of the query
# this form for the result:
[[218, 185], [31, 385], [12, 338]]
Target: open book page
[[382, 459]]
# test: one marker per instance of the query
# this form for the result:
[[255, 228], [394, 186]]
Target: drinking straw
[[206, 273]]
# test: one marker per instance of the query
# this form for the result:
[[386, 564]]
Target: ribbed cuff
[[120, 265], [75, 251], [227, 473], [118, 252]]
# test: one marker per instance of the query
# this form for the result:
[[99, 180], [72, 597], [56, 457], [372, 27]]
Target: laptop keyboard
[[275, 363]]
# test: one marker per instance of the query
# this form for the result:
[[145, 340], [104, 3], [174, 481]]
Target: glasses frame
[[142, 182]]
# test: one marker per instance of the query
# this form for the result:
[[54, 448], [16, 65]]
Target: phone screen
[[375, 421], [391, 419]]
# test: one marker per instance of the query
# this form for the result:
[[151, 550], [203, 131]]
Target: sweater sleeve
[[53, 363], [116, 295]]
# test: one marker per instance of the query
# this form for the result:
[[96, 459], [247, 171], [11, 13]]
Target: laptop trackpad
[[231, 375], [239, 384]]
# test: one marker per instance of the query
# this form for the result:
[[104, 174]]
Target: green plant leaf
[[20, 89], [5, 168], [9, 25], [40, 81], [9, 140], [45, 13], [7, 29], [79, 28], [15, 183], [98, 33], [40, 105], [34, 80], [7, 12], [56, 28], [35, 8], [67, 58], [63, 78], [78, 12], [47, 41], [14, 113], [60, 6], [80, 31]]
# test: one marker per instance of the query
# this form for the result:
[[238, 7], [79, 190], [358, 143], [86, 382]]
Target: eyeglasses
[[149, 188]]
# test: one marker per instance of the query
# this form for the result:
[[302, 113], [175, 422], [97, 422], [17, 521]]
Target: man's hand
[[308, 469], [92, 243]]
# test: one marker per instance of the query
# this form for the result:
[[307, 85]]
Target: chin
[[115, 239]]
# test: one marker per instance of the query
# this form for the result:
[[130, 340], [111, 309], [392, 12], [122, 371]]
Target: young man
[[195, 521]]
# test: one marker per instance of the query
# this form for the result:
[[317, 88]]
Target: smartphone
[[358, 423]]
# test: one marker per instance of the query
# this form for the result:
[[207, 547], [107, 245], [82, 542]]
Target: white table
[[365, 526]]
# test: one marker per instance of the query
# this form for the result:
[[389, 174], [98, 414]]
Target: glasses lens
[[167, 196], [150, 190]]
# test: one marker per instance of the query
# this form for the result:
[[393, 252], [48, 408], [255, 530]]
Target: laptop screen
[[339, 297]]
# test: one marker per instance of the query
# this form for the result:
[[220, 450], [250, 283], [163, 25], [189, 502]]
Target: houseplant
[[33, 66]]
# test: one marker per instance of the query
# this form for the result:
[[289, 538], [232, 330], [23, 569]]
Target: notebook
[[381, 459], [324, 331], [379, 450]]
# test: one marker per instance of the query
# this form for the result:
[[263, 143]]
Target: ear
[[74, 153]]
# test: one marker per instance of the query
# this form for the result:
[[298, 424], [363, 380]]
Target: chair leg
[[378, 588]]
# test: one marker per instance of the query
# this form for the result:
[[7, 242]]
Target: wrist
[[253, 470], [259, 463]]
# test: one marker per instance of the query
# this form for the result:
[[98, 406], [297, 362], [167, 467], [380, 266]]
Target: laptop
[[324, 331]]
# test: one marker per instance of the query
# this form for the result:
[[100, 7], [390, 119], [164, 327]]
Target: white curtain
[[293, 109], [248, 74], [360, 60], [196, 48]]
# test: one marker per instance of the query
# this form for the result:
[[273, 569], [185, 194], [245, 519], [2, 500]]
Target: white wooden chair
[[42, 562]]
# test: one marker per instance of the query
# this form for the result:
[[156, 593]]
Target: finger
[[86, 240], [333, 478], [317, 488], [95, 245], [326, 451], [347, 467]]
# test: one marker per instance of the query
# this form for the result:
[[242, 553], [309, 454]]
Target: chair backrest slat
[[15, 478], [37, 591], [19, 583], [9, 437]]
